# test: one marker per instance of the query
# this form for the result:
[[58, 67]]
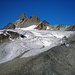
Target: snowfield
[[32, 27], [35, 42]]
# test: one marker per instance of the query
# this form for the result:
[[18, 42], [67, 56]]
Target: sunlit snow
[[32, 27]]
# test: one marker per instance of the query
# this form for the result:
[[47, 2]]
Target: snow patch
[[32, 27], [48, 28]]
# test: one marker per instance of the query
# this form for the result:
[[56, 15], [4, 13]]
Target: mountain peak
[[24, 22], [22, 15], [34, 16]]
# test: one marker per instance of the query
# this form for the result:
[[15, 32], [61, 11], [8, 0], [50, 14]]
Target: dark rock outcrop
[[3, 38], [7, 35], [43, 25], [13, 34], [71, 27]]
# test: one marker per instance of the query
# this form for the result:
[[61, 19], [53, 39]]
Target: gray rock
[[7, 35], [3, 38], [27, 21], [33, 20]]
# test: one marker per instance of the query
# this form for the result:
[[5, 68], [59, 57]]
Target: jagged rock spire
[[22, 16], [34, 16], [24, 21]]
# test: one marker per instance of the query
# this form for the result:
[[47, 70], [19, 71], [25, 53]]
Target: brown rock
[[42, 26]]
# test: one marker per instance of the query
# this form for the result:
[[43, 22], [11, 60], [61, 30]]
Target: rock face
[[3, 38], [43, 26], [23, 22], [8, 36], [71, 27]]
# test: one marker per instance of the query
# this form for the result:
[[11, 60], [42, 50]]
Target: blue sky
[[53, 11]]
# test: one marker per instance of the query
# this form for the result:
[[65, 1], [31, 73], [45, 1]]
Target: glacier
[[34, 42]]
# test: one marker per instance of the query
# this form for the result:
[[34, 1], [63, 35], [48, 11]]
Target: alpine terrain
[[30, 46]]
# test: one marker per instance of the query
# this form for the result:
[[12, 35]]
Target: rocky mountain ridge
[[24, 22]]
